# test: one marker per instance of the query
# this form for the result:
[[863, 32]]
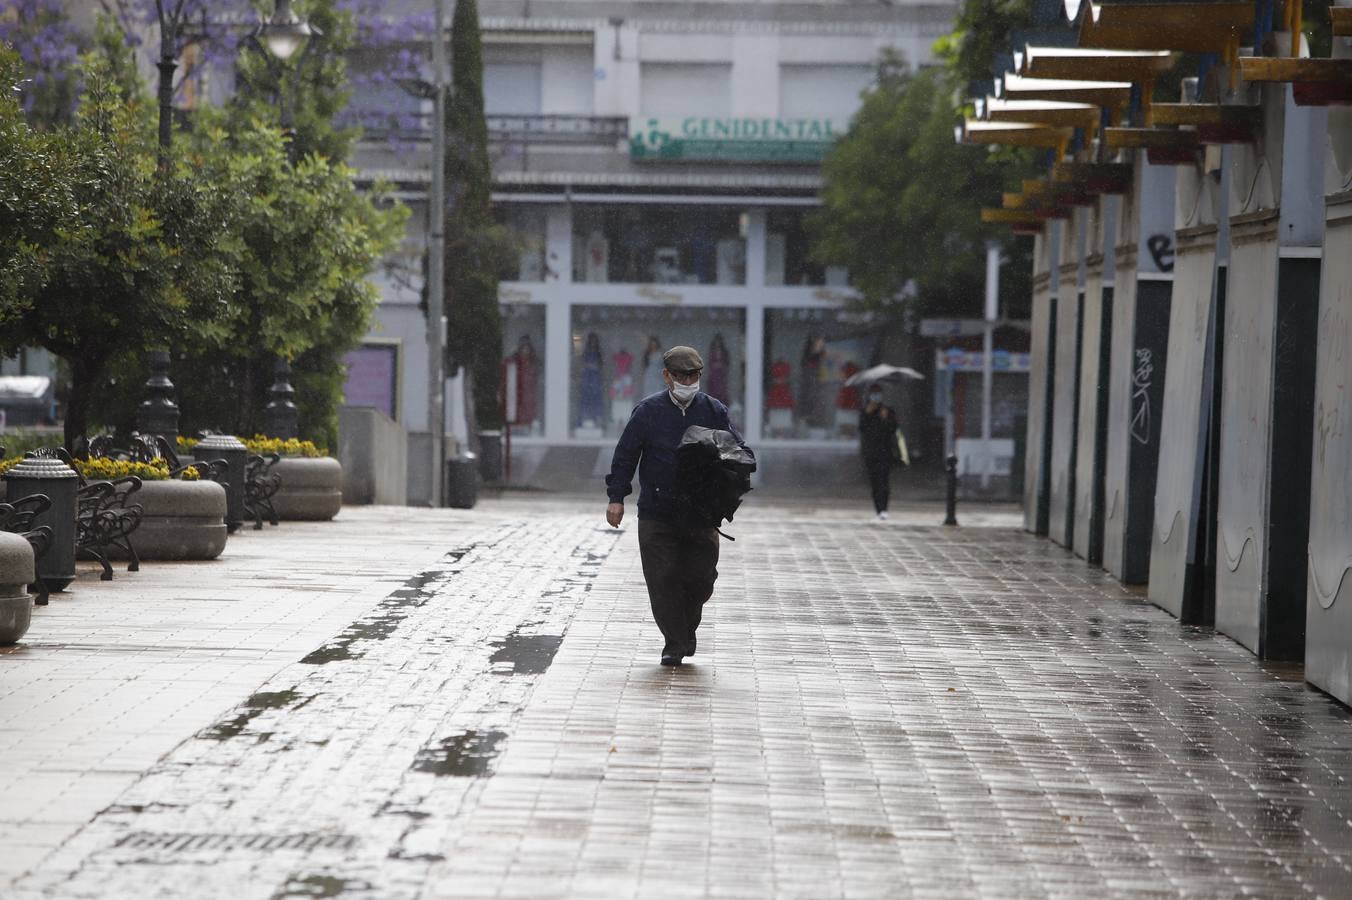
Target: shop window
[[635, 244], [617, 360], [527, 224], [809, 355], [523, 343], [788, 253]]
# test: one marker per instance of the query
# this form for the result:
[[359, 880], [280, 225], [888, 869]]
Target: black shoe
[[670, 659]]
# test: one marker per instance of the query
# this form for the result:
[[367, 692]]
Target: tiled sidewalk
[[877, 710]]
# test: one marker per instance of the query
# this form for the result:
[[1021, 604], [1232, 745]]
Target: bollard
[[16, 573], [236, 456], [951, 467], [60, 483], [281, 418]]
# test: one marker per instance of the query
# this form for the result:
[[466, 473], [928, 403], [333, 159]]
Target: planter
[[180, 520], [312, 488], [16, 573]]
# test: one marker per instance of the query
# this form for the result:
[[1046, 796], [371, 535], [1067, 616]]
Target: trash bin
[[490, 456], [462, 481]]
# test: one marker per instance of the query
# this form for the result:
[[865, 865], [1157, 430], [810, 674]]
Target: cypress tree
[[477, 249]]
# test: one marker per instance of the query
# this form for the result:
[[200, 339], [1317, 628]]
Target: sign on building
[[738, 139]]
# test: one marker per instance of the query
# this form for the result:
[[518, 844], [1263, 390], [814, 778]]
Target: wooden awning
[[1201, 26], [1314, 82], [1040, 112], [1022, 217], [1139, 66], [1137, 138], [1103, 178], [1113, 95], [1015, 134], [1215, 123]]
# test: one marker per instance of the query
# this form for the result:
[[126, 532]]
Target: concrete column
[[558, 360], [559, 244], [755, 248], [755, 370]]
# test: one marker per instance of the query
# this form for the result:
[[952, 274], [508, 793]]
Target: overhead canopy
[[1082, 63], [1107, 94], [1041, 112], [1200, 26], [1018, 134]]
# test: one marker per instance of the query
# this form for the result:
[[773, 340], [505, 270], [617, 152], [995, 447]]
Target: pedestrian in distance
[[680, 559], [879, 444]]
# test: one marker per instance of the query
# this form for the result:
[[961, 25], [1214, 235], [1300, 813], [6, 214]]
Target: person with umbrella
[[880, 440]]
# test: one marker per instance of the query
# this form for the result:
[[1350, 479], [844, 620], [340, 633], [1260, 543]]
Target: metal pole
[[436, 250], [951, 491], [166, 65], [987, 358]]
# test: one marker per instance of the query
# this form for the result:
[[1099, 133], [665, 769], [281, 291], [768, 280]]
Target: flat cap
[[682, 360]]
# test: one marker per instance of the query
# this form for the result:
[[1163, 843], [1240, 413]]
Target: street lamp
[[285, 33], [435, 90]]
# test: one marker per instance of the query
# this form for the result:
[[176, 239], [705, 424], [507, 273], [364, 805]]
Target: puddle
[[383, 621], [253, 707], [529, 654], [318, 886], [465, 755]]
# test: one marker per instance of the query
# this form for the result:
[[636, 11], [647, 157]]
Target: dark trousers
[[680, 565], [880, 480]]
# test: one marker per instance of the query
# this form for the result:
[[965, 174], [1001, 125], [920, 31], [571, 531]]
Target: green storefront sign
[[746, 139]]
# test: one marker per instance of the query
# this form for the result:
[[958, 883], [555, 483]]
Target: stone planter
[[16, 573], [312, 488], [180, 520]]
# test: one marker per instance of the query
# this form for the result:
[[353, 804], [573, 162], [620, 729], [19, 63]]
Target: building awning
[[673, 180], [1201, 26], [1014, 134], [25, 390], [1142, 66], [1054, 113], [1114, 95]]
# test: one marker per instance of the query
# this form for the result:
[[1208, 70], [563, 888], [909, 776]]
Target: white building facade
[[659, 164]]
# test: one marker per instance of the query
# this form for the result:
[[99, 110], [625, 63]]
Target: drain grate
[[186, 842]]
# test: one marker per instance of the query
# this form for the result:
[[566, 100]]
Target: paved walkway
[[472, 708]]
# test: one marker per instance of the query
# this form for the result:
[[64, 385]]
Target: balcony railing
[[553, 129]]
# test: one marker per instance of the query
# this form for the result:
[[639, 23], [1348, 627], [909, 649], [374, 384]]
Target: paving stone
[[877, 710]]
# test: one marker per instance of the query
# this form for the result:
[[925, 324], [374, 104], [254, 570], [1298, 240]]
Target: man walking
[[680, 560], [878, 446]]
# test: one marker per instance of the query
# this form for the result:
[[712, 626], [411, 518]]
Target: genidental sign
[[743, 139]]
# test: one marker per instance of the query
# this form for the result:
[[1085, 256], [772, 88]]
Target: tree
[[308, 240], [147, 260], [901, 202], [478, 249], [36, 201]]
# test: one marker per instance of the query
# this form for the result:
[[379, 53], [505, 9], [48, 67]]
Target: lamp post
[[435, 90]]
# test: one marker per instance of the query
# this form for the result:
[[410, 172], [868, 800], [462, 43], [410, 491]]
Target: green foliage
[[980, 36], [37, 199], [308, 240], [312, 86], [478, 249], [901, 203], [147, 258]]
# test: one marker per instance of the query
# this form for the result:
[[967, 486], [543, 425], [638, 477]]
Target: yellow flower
[[261, 444]]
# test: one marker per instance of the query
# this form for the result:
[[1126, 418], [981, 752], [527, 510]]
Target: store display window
[[634, 244], [527, 224], [523, 343], [617, 360], [809, 354], [788, 253]]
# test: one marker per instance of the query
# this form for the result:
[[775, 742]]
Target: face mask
[[875, 398], [684, 393]]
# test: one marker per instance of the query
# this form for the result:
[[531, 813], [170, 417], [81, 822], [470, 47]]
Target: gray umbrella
[[884, 373]]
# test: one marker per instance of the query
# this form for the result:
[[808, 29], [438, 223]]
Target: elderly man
[[680, 561]]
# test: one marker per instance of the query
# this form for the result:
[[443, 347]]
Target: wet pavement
[[471, 706]]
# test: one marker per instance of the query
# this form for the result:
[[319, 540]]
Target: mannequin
[[622, 388], [590, 400], [716, 370], [652, 368]]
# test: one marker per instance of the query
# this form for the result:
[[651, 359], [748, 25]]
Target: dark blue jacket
[[649, 443]]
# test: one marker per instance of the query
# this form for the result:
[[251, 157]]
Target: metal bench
[[17, 518]]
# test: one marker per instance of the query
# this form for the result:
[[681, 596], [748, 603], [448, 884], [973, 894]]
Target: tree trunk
[[83, 373]]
